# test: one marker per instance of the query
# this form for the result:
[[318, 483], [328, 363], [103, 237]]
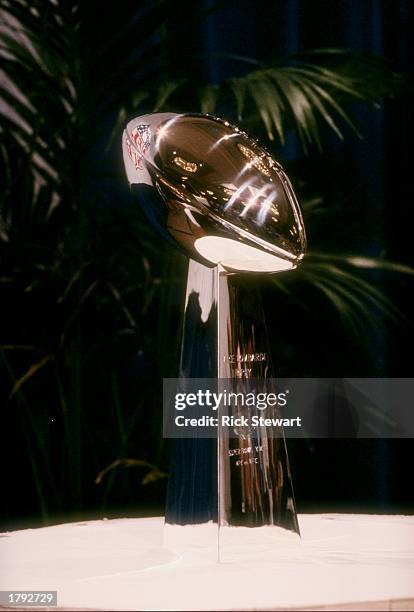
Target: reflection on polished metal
[[214, 193], [223, 199], [255, 486]]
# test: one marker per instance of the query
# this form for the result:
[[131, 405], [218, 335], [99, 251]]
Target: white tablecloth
[[342, 562]]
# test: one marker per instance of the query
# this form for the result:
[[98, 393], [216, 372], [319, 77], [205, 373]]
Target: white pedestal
[[343, 562]]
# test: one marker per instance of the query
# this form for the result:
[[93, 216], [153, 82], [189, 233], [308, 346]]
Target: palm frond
[[303, 95], [31, 371], [54, 106], [208, 98], [153, 472], [370, 263], [164, 93], [356, 299]]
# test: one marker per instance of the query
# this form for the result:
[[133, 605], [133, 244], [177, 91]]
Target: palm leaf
[[303, 89], [153, 474], [303, 95], [164, 93], [357, 300], [30, 372], [208, 98]]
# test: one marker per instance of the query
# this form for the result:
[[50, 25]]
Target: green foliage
[[84, 281]]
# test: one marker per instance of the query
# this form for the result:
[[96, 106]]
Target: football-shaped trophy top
[[214, 192]]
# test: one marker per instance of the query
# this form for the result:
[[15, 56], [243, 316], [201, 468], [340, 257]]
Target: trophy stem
[[242, 480], [255, 485]]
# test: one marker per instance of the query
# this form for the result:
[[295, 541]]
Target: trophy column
[[255, 485], [242, 479]]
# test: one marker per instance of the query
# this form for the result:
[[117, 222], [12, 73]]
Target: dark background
[[366, 186]]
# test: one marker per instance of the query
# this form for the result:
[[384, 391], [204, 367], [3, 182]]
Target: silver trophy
[[218, 196]]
